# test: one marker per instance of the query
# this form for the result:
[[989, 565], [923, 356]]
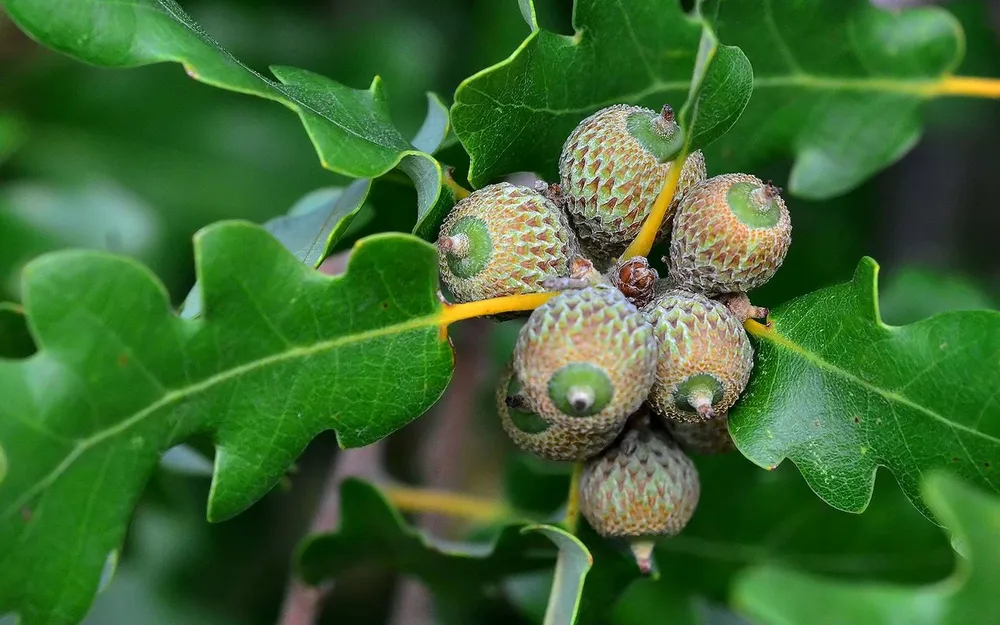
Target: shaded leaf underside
[[781, 596]]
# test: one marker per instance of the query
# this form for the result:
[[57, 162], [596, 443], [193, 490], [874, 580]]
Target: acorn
[[611, 169], [585, 360], [731, 233], [703, 437], [504, 240], [705, 356], [641, 488], [534, 434]]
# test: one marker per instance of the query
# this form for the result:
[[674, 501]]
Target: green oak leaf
[[838, 85], [749, 517], [280, 354], [350, 128], [840, 393], [309, 230], [783, 596], [516, 115]]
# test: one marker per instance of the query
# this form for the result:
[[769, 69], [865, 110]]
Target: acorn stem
[[456, 505], [641, 245], [739, 304], [970, 86], [457, 190], [573, 500], [643, 552], [492, 306], [457, 245], [700, 399]]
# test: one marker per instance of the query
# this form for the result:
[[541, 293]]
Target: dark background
[[136, 161]]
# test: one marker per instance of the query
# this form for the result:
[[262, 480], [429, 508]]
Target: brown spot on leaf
[[26, 514], [122, 360]]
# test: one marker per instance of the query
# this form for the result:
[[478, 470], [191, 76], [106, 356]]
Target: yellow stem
[[651, 227], [970, 86], [457, 505], [756, 328], [573, 500], [493, 306], [460, 192]]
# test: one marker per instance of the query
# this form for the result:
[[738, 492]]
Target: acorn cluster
[[623, 369]]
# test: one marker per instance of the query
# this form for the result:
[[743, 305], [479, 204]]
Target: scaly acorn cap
[[705, 356], [703, 437], [640, 488], [731, 233], [585, 360], [636, 279], [534, 434], [611, 169], [503, 240]]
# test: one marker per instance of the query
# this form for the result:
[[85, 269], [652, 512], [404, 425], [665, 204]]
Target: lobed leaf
[[840, 393], [280, 354], [309, 230], [776, 595], [838, 86], [516, 115], [350, 128]]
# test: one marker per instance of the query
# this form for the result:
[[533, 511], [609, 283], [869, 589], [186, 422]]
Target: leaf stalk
[[651, 227]]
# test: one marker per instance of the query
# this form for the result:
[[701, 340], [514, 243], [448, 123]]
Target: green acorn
[[730, 233], [640, 488], [585, 360], [534, 434], [611, 169], [703, 437], [705, 357], [504, 240]]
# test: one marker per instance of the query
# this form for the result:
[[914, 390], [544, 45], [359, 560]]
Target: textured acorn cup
[[585, 360], [503, 240], [705, 357], [640, 488], [611, 169], [553, 442], [731, 233], [703, 437]]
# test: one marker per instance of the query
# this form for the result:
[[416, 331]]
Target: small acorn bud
[[503, 240], [635, 279], [611, 169], [731, 233], [641, 488], [705, 357], [585, 359]]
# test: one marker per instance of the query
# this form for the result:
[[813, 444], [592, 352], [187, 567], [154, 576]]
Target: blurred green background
[[135, 162]]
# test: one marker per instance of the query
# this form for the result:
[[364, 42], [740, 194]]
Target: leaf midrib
[[180, 394], [783, 341]]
